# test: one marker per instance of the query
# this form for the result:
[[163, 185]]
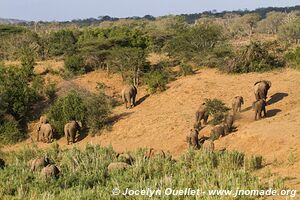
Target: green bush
[[92, 110], [157, 80], [10, 132], [255, 57], [293, 58], [185, 69], [217, 109], [75, 64]]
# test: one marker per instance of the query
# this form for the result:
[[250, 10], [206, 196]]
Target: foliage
[[92, 110], [75, 64], [62, 42], [130, 62], [185, 69], [255, 57], [157, 80], [293, 58], [10, 132], [84, 174], [217, 109], [290, 30]]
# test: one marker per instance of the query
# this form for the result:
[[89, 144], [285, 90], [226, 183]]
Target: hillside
[[162, 120]]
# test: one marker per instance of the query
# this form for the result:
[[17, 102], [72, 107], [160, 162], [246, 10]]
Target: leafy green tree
[[271, 23], [75, 64], [290, 30], [196, 43], [246, 24], [62, 42], [130, 62]]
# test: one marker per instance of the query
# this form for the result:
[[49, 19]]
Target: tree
[[246, 24], [272, 22], [62, 42], [130, 62], [290, 31]]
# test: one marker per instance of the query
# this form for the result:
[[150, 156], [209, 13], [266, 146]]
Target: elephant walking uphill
[[261, 89], [44, 130], [128, 95], [71, 129]]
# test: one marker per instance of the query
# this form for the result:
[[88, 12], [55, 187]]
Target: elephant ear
[[269, 83], [257, 82]]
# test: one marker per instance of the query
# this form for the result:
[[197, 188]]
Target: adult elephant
[[71, 129], [45, 133], [128, 95], [261, 89]]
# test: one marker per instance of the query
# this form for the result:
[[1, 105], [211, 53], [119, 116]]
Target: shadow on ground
[[142, 99], [277, 97]]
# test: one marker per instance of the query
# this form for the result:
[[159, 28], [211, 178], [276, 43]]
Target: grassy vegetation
[[87, 178]]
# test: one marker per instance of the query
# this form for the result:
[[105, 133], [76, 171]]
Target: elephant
[[259, 107], [208, 145], [128, 95], [125, 157], [220, 130], [153, 153], [46, 131], [71, 129], [192, 139], [2, 163], [201, 114], [261, 89], [229, 119], [50, 171], [38, 163], [116, 166], [237, 103]]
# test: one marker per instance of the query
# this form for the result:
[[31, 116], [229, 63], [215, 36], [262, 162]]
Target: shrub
[[255, 57], [157, 80], [185, 69], [64, 109], [75, 64], [217, 109], [92, 110], [293, 58], [10, 132]]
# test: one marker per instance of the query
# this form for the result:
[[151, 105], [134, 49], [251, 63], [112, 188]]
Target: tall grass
[[84, 174]]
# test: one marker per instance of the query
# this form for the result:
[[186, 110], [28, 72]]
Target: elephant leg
[[130, 106], [38, 136], [257, 96], [255, 115], [205, 118], [133, 101], [265, 112], [67, 136], [73, 137]]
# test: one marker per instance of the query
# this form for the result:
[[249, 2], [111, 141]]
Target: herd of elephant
[[259, 106], [122, 162], [44, 130]]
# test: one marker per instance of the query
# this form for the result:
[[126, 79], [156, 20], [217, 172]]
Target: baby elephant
[[153, 153], [38, 163], [229, 119], [116, 166], [128, 95], [259, 107], [71, 129], [237, 103], [208, 145], [50, 171], [220, 130], [125, 157], [192, 139]]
